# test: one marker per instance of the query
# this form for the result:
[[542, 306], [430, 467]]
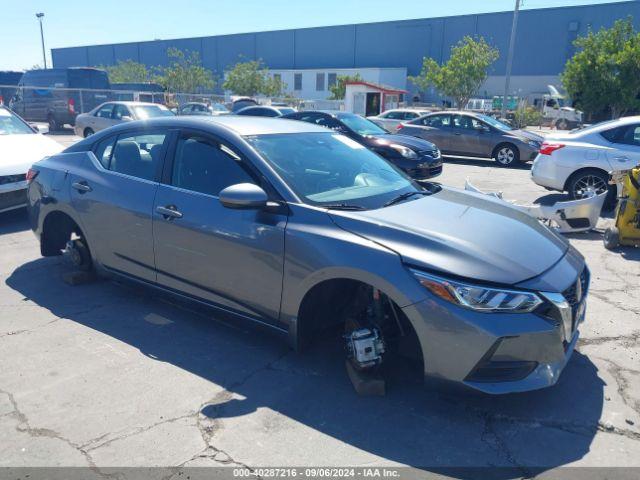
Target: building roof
[[382, 88]]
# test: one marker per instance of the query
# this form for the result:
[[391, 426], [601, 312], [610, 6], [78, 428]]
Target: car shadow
[[14, 221], [483, 162], [437, 430], [61, 131]]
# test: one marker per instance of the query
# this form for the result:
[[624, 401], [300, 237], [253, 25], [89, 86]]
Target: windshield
[[151, 111], [329, 168], [12, 125], [360, 125], [495, 123]]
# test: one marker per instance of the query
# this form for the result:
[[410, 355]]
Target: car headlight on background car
[[404, 151], [534, 144], [478, 297]]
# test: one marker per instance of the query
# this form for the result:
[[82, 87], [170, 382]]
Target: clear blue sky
[[70, 23]]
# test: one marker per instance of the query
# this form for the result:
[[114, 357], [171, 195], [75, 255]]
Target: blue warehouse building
[[309, 59]]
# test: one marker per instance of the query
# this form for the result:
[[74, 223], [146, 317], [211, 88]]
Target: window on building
[[320, 82], [297, 81], [332, 79]]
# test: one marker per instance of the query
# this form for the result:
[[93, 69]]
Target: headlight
[[477, 297], [534, 144], [404, 151]]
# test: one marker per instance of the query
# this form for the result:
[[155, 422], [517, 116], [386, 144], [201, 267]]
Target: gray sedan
[[475, 135], [303, 230], [112, 113]]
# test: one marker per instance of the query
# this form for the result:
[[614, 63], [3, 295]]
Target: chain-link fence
[[43, 104]]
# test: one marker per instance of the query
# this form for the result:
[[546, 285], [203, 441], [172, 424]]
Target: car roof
[[241, 125], [133, 104]]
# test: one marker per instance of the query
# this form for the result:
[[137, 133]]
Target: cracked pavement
[[105, 376]]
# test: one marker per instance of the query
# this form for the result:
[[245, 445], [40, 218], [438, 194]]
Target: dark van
[[41, 94], [8, 84]]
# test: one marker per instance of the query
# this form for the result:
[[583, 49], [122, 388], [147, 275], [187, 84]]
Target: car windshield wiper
[[404, 196], [344, 206]]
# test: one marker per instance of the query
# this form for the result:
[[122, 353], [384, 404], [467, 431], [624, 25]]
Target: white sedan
[[20, 147], [390, 120], [112, 113], [580, 161]]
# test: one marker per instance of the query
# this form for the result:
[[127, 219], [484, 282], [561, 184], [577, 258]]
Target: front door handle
[[621, 159], [81, 186], [169, 212]]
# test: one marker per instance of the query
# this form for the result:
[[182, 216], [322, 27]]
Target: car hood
[[526, 135], [19, 152], [406, 141], [461, 234]]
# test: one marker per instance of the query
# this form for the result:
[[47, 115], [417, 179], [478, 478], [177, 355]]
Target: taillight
[[399, 127], [549, 148], [31, 174], [1, 100], [71, 105]]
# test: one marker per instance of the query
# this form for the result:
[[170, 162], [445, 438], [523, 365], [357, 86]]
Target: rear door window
[[436, 121], [137, 155], [105, 111], [120, 111]]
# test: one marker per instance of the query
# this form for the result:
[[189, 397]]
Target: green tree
[[252, 78], [339, 89], [127, 71], [185, 73], [463, 74], [603, 75]]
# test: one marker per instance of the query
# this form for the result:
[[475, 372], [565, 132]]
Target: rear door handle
[[621, 159], [81, 186], [169, 212]]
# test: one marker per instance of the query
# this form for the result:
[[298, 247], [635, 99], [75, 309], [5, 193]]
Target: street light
[[44, 56], [512, 42]]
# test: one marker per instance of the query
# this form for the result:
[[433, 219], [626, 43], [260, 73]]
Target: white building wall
[[393, 77]]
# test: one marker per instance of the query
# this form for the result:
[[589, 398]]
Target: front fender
[[317, 250]]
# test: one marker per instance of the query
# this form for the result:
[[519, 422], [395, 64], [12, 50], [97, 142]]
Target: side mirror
[[126, 118], [35, 127], [243, 196]]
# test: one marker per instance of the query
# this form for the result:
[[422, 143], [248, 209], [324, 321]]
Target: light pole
[[512, 42], [44, 56]]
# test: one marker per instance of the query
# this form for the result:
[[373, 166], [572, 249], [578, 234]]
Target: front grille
[[429, 153], [13, 199], [5, 179], [574, 295]]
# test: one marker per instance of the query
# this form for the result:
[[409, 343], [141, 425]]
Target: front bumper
[[13, 195], [498, 353], [422, 168]]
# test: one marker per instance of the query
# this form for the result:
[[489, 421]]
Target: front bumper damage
[[500, 353]]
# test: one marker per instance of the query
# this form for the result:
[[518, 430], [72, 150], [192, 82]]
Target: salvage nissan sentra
[[302, 229]]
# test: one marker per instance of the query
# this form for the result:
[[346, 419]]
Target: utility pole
[[44, 55], [512, 42]]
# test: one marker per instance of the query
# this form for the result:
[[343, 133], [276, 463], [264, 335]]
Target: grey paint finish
[[261, 263]]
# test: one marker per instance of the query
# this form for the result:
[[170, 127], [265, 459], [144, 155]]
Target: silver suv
[[294, 226]]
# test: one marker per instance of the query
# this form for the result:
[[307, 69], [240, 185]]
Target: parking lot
[[106, 376]]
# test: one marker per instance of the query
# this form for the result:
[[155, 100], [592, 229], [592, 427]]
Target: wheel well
[[87, 129], [583, 170], [329, 305], [504, 144], [57, 229]]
